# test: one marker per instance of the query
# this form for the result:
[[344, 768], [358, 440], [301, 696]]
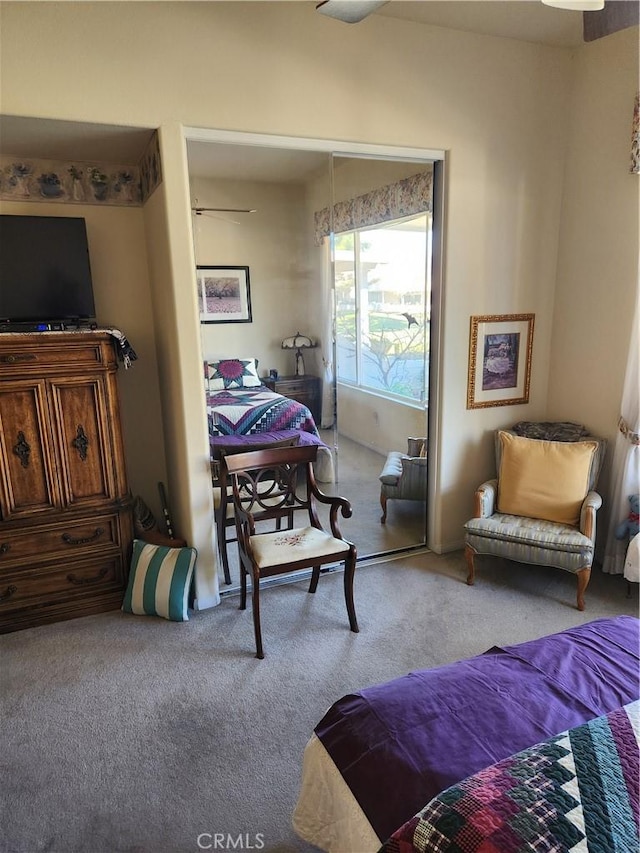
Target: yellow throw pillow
[[544, 479]]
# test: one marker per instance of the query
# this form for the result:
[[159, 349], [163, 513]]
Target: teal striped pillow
[[159, 581]]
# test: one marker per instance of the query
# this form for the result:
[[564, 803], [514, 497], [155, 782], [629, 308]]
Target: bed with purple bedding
[[244, 415], [576, 791], [380, 755]]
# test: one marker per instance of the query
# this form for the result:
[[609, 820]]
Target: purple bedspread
[[399, 744], [304, 438]]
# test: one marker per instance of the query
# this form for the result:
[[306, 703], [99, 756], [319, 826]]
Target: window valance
[[405, 198]]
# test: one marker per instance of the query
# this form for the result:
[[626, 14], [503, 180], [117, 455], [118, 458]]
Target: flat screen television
[[45, 274]]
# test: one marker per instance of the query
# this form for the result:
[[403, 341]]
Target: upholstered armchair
[[541, 508], [404, 475]]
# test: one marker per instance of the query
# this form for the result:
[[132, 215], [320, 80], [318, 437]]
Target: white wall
[[271, 243], [499, 107], [597, 280]]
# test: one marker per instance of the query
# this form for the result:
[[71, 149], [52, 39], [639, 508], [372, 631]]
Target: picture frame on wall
[[224, 294], [500, 351]]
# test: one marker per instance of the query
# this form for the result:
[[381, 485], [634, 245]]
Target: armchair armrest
[[392, 470], [590, 505], [486, 499]]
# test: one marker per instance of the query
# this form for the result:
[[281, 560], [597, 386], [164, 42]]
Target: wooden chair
[[273, 484], [222, 497]]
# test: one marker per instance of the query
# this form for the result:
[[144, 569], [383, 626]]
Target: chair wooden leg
[[243, 587], [383, 504], [314, 579], [583, 580], [469, 554], [349, 572], [255, 602], [222, 548]]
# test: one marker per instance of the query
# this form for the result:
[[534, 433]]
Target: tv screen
[[45, 275]]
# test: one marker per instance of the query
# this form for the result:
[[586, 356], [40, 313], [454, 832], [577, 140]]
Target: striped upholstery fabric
[[159, 581], [530, 540]]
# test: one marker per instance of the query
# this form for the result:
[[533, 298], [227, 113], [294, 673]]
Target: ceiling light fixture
[[576, 5], [349, 11]]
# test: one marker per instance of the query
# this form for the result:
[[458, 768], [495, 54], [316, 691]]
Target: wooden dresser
[[306, 389], [65, 508]]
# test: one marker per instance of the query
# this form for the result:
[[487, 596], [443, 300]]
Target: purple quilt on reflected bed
[[399, 744], [256, 411]]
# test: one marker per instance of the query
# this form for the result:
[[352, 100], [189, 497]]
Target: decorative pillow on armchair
[[231, 373], [544, 479]]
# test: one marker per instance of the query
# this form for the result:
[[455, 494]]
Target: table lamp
[[298, 342]]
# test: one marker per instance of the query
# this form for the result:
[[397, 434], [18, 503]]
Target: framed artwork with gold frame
[[500, 348]]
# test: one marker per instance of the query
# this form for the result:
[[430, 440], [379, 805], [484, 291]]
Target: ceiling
[[526, 20]]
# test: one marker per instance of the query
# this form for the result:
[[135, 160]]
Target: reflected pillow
[[544, 479], [232, 373]]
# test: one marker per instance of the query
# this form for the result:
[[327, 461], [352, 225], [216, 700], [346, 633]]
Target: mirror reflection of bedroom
[[314, 272]]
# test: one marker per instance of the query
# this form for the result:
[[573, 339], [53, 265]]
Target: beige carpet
[[125, 733]]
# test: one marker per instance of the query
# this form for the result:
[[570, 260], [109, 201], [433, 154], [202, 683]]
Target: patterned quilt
[[251, 411], [577, 791]]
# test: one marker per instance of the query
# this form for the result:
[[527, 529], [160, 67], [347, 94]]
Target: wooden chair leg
[[255, 602], [349, 572], [243, 587], [314, 579], [469, 554], [383, 504], [222, 545], [583, 581]]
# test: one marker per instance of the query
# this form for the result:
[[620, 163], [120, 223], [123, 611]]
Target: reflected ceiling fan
[[200, 210], [214, 211]]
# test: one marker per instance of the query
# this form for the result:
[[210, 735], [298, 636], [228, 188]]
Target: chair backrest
[[540, 435], [416, 447], [221, 450], [265, 482]]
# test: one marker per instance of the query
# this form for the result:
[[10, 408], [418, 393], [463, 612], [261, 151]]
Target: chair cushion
[[544, 479], [529, 540], [159, 581], [299, 543]]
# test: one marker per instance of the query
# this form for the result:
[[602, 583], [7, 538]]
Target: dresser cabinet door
[[79, 409], [28, 475]]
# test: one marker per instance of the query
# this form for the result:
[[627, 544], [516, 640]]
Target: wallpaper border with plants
[[81, 181]]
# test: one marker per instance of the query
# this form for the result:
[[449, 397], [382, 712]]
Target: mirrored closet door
[[333, 253]]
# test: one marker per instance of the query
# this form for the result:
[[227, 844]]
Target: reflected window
[[382, 293]]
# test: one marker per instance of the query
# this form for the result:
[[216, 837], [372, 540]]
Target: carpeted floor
[[125, 733]]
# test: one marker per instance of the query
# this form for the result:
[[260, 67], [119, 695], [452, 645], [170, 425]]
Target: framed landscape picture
[[500, 347], [224, 294]]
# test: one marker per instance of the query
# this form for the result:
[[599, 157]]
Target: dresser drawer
[[42, 353], [294, 386], [43, 586], [61, 540]]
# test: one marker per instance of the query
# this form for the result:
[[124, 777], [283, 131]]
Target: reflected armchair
[[404, 475], [541, 508]]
